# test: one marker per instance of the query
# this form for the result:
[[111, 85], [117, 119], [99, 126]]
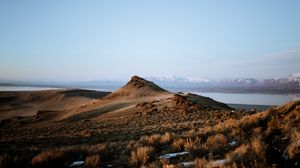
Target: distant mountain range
[[288, 84], [291, 82]]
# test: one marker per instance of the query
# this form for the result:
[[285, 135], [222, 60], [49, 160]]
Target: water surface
[[25, 88], [252, 98]]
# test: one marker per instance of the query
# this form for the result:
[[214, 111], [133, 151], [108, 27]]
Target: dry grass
[[99, 148], [178, 144], [92, 161], [190, 145], [138, 141], [239, 154], [151, 140], [249, 154], [258, 147], [216, 143], [49, 158], [201, 163], [293, 148], [273, 124], [166, 138], [141, 155]]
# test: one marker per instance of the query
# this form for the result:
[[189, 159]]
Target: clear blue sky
[[85, 40]]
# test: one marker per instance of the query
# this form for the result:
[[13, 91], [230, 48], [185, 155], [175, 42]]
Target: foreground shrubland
[[262, 139]]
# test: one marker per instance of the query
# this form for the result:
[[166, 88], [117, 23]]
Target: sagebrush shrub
[[141, 155], [92, 161]]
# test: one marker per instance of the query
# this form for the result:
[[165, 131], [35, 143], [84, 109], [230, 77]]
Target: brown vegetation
[[141, 156], [127, 137], [92, 161]]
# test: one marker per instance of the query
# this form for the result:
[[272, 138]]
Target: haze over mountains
[[288, 84]]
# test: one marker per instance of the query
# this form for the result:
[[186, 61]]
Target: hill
[[29, 103], [74, 105], [137, 87], [143, 125]]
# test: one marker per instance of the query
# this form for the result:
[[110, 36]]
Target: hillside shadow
[[92, 94]]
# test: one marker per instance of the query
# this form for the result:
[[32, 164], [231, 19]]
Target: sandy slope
[[29, 103], [141, 114], [127, 100], [137, 96]]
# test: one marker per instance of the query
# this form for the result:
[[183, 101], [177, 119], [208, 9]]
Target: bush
[[92, 161], [166, 138], [201, 163], [258, 147], [150, 140], [195, 147], [51, 158], [273, 124], [178, 144], [141, 155], [216, 143], [294, 147], [249, 154], [239, 154]]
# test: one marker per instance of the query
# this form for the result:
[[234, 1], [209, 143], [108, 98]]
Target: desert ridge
[[137, 96], [142, 125]]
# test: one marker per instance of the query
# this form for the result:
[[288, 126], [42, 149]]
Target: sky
[[75, 40]]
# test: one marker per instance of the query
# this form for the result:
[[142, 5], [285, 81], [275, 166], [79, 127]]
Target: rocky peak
[[138, 82]]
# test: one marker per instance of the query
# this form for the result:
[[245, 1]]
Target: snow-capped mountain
[[197, 80], [178, 79], [290, 82], [294, 77], [173, 81], [163, 78], [238, 82]]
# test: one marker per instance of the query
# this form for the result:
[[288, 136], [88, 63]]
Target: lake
[[24, 88], [252, 98]]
